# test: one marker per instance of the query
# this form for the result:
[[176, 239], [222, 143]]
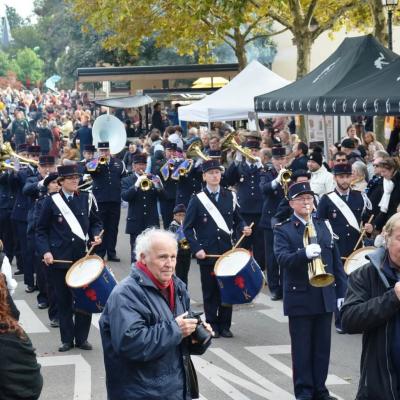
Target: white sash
[[345, 210], [214, 212], [69, 216]]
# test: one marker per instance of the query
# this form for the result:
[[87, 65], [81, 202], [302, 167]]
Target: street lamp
[[390, 5]]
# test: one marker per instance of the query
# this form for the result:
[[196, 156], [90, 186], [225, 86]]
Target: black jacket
[[370, 308]]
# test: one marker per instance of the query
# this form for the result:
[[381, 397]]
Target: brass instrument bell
[[229, 142], [195, 151], [6, 150]]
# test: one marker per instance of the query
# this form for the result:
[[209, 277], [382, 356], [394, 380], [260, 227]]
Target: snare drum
[[239, 277], [91, 282], [357, 259]]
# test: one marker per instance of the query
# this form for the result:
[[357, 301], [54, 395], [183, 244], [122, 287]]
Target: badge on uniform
[[60, 219], [334, 215], [205, 220], [241, 179]]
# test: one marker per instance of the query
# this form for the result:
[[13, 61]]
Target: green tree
[[14, 19], [30, 66], [7, 65]]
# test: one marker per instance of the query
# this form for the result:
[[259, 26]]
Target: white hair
[[360, 168], [145, 240]]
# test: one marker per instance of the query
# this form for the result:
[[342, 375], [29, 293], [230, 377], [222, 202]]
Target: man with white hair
[[146, 329]]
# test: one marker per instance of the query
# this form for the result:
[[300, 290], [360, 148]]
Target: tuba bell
[[229, 142], [108, 128], [195, 151], [317, 275]]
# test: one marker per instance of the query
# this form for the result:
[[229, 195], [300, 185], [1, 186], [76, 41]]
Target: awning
[[125, 102]]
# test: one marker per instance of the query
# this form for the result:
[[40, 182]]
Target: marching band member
[[66, 219], [271, 187], [106, 188], [142, 211], [210, 219], [309, 308], [245, 174]]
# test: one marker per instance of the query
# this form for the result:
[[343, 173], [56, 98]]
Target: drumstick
[[242, 237], [61, 261], [92, 247], [362, 233], [213, 255]]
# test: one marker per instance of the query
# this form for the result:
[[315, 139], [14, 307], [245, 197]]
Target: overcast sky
[[23, 7]]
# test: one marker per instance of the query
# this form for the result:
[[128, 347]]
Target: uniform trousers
[[255, 242], [311, 344], [46, 286], [21, 230], [132, 240], [217, 315], [273, 276], [70, 328], [29, 268], [183, 265], [167, 211], [109, 213]]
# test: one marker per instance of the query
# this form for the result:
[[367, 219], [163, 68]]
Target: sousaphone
[[108, 128]]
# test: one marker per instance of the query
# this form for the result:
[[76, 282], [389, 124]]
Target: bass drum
[[357, 259]]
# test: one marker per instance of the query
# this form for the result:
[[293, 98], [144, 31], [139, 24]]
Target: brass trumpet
[[229, 142], [317, 275], [184, 244], [195, 151], [6, 150], [146, 184], [4, 166]]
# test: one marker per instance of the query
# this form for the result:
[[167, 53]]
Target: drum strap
[[344, 209], [214, 212], [69, 216]]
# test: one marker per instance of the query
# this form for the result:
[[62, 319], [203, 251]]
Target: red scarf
[[169, 288]]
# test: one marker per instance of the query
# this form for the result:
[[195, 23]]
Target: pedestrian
[[146, 327], [322, 181]]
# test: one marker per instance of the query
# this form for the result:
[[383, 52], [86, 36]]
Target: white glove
[[340, 303], [313, 251], [41, 183], [238, 157], [139, 180]]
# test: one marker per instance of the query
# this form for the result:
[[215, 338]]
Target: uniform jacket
[[299, 297], [272, 197], [17, 181], [54, 235], [142, 211], [170, 185], [371, 307], [347, 235], [32, 190], [145, 356], [84, 134], [107, 181], [203, 233], [188, 186], [247, 181], [322, 181], [7, 196]]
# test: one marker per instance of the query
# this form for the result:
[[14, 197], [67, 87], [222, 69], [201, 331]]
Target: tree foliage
[[30, 66]]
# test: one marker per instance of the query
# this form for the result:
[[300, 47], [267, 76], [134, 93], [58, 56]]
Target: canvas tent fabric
[[234, 101], [355, 59], [125, 102]]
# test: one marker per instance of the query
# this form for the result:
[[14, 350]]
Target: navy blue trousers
[[273, 278], [311, 345], [109, 213], [255, 242], [21, 228]]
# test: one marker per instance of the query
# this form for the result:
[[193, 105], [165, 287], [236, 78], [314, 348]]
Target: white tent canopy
[[234, 101]]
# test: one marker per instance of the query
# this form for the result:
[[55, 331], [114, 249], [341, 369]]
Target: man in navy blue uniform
[[142, 211], [245, 175], [106, 188], [309, 308], [32, 189], [210, 219], [19, 213], [273, 192], [61, 235]]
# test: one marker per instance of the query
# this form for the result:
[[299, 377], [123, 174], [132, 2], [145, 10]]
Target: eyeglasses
[[307, 199], [341, 160]]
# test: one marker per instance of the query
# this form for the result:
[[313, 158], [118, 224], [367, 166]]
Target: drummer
[[344, 208], [63, 225], [208, 225]]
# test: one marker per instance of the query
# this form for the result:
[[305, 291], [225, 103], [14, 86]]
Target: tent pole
[[339, 128], [326, 144]]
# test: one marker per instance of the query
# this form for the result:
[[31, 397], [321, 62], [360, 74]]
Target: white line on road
[[95, 320], [28, 319], [275, 308], [83, 385]]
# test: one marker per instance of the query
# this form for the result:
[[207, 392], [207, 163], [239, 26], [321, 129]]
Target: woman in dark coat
[[20, 377], [44, 136]]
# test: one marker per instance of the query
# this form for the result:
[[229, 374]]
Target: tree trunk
[[379, 20], [240, 49], [379, 129], [304, 44]]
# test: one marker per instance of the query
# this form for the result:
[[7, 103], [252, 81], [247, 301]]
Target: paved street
[[254, 365]]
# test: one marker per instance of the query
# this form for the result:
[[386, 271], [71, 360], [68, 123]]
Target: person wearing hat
[[309, 308], [106, 188], [351, 150], [46, 297], [33, 189], [272, 189], [142, 209], [210, 218], [184, 254], [88, 155], [62, 237], [321, 181], [164, 169], [245, 175], [19, 214]]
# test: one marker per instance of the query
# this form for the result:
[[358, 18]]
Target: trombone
[[7, 151], [195, 151], [229, 142]]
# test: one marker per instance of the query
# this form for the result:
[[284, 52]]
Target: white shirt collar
[[300, 219], [212, 191]]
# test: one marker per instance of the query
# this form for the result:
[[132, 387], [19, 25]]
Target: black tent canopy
[[355, 59]]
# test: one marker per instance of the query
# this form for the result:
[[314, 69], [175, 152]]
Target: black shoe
[[216, 335], [115, 259], [340, 331], [18, 272], [84, 345], [66, 347], [276, 296], [30, 289], [42, 306], [226, 333], [54, 323]]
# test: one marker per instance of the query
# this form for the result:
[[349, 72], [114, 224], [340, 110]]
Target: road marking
[[95, 320], [221, 378], [275, 308], [28, 319], [83, 374]]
